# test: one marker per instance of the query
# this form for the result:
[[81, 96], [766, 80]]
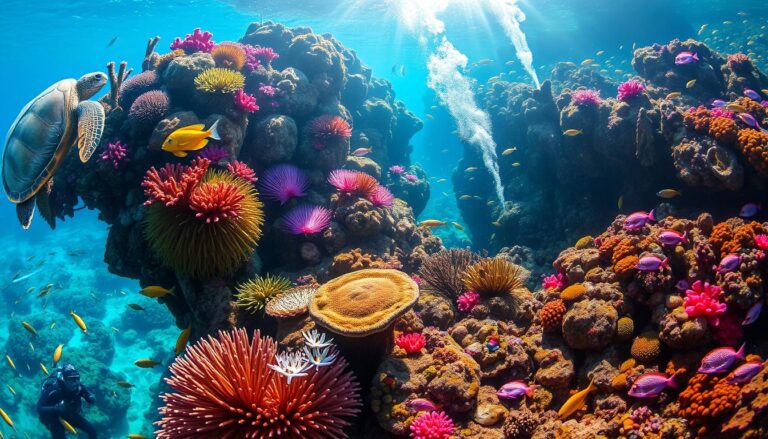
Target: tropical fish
[[620, 202], [68, 426], [719, 103], [44, 369], [471, 169], [112, 41], [421, 405], [720, 359], [155, 291], [136, 307], [432, 223], [736, 108], [402, 70], [493, 79], [146, 363], [753, 313], [18, 278], [748, 92], [600, 52], [457, 225], [465, 197], [729, 263], [651, 263], [650, 385], [508, 151], [190, 138], [516, 389], [668, 193], [441, 180], [727, 22], [690, 83], [79, 321], [484, 62], [638, 220], [31, 347], [11, 389], [684, 58], [672, 237], [181, 342], [7, 418], [749, 120], [674, 94], [749, 210], [587, 62], [701, 29], [10, 362], [516, 164], [125, 384], [53, 325], [745, 372], [136, 436], [29, 328], [575, 402], [572, 132]]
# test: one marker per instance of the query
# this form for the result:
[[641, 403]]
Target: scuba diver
[[60, 396]]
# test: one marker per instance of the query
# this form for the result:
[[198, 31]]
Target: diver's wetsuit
[[57, 401]]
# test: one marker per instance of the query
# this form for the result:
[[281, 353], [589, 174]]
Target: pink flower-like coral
[[306, 220], [721, 112], [245, 101], [283, 182], [268, 90], [553, 282], [410, 343], [242, 170], [265, 55], [761, 241], [702, 300], [197, 41], [381, 197], [586, 97], [116, 154], [350, 182], [411, 178], [630, 89], [467, 301], [397, 169], [432, 425]]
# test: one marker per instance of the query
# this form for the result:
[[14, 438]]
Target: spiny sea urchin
[[253, 295], [494, 276]]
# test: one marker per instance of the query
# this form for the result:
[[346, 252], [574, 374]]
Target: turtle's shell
[[39, 139]]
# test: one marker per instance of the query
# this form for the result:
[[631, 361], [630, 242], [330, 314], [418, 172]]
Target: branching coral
[[242, 170], [197, 41], [494, 276], [219, 81], [442, 270], [253, 294], [115, 154], [245, 101], [586, 97]]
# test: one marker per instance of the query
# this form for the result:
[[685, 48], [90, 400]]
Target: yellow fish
[[575, 402], [11, 389], [457, 225], [432, 223], [45, 369], [10, 362], [765, 91], [29, 328], [125, 384], [53, 325], [57, 354], [508, 151], [190, 138], [7, 418], [471, 169], [181, 342], [68, 426], [465, 197], [736, 108], [572, 132], [690, 83], [155, 291], [674, 94], [136, 436], [79, 321], [587, 62], [146, 363], [620, 202], [516, 164], [136, 307], [668, 193]]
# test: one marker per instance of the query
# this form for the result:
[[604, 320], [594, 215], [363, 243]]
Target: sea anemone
[[586, 97], [229, 55], [552, 282], [306, 219], [761, 241], [411, 178], [219, 81], [291, 303], [199, 222], [702, 299], [215, 154], [223, 387], [352, 182], [380, 196], [441, 271], [397, 169], [326, 129], [148, 109], [245, 101], [494, 276], [135, 86], [197, 41], [115, 154], [242, 170], [283, 182], [253, 295], [410, 343], [467, 301], [630, 89], [432, 425]]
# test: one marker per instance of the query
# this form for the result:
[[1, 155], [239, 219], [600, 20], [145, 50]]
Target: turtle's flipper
[[25, 211], [90, 125], [44, 204]]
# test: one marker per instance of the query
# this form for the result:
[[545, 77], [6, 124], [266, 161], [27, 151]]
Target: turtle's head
[[90, 84]]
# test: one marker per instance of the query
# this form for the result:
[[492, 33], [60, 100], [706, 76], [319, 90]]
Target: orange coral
[[573, 292], [743, 237], [646, 347], [551, 315], [162, 62], [627, 247], [754, 108], [754, 145], [229, 55], [723, 129], [608, 244], [721, 233], [354, 260], [706, 399], [626, 267], [697, 119], [752, 408]]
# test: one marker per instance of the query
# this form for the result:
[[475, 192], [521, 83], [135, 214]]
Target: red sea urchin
[[432, 425], [283, 182], [352, 182], [225, 388], [306, 220], [328, 128]]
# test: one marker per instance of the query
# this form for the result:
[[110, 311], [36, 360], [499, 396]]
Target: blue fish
[[719, 103]]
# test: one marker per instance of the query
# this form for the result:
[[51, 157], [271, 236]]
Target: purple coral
[[245, 101], [630, 89], [215, 154], [283, 182], [197, 41], [306, 220], [411, 178], [397, 169], [148, 109], [586, 97], [116, 154], [265, 55]]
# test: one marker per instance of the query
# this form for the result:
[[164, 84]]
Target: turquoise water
[[43, 43]]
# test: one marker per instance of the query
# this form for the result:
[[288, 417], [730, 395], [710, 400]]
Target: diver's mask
[[70, 378]]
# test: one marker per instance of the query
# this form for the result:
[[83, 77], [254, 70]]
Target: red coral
[[328, 128], [697, 118], [242, 170], [172, 185], [551, 315], [216, 201], [432, 425], [411, 343]]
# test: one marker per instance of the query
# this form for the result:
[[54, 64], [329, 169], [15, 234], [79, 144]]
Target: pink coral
[[306, 220], [410, 343], [586, 97], [702, 300], [553, 282], [411, 178], [245, 101], [381, 197], [721, 112], [283, 182], [630, 89], [396, 169], [761, 241], [197, 41], [467, 301], [115, 154], [215, 154], [242, 170], [267, 90], [173, 184], [432, 425], [265, 55], [350, 182]]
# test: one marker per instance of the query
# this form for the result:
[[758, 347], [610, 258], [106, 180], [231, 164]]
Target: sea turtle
[[42, 135]]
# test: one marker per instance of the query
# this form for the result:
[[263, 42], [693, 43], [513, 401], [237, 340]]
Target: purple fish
[[729, 263], [720, 359], [672, 237], [748, 92], [745, 372], [719, 103], [749, 120], [684, 58], [682, 285], [753, 313], [421, 405], [749, 210], [516, 389], [638, 220], [651, 263], [651, 384]]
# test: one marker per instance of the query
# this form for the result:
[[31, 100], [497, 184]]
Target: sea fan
[[306, 220], [283, 182]]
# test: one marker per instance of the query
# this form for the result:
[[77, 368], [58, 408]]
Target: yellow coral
[[254, 294], [219, 80], [646, 347], [585, 242], [624, 328]]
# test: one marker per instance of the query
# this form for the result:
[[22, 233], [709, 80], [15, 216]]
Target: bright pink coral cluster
[[197, 41], [115, 154], [630, 89], [397, 169], [245, 101], [432, 425], [410, 343], [173, 184], [242, 170], [467, 301], [553, 282], [761, 241], [702, 299], [586, 97], [265, 55]]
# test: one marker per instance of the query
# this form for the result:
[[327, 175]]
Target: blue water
[[45, 42]]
